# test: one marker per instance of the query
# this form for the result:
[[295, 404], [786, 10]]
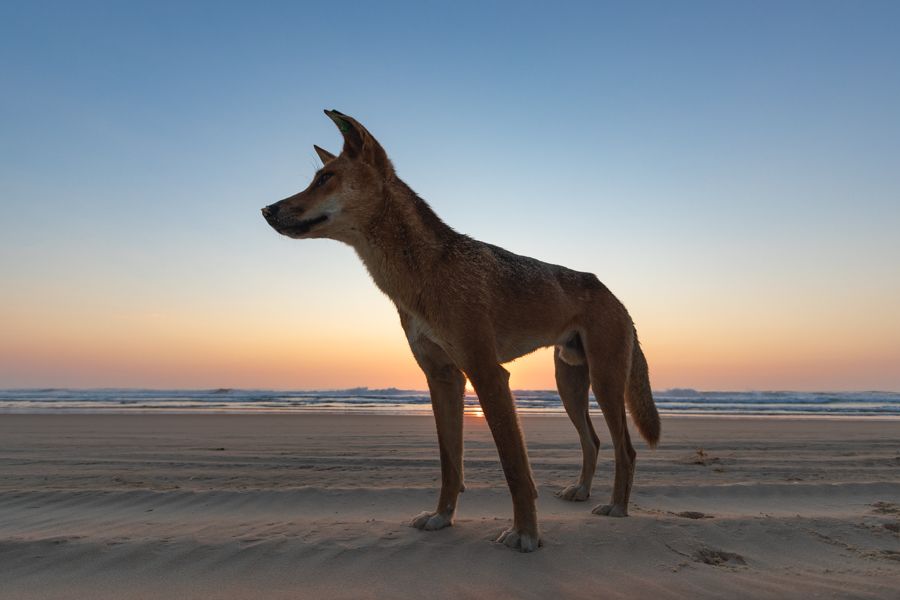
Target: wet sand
[[314, 505]]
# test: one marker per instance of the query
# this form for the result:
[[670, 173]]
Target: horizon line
[[395, 389]]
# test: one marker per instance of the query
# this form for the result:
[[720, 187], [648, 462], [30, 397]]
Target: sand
[[315, 506]]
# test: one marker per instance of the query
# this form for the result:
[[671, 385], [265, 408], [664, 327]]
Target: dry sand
[[314, 506]]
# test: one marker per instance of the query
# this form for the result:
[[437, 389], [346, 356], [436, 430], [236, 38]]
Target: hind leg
[[573, 383], [608, 367]]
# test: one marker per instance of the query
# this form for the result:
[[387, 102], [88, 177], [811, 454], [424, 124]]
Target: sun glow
[[472, 411]]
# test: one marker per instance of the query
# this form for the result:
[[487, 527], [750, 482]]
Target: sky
[[731, 171]]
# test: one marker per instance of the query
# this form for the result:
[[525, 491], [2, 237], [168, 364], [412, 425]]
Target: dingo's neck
[[402, 245]]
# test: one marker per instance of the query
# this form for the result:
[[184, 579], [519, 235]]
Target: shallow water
[[678, 401]]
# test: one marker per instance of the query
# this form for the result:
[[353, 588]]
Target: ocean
[[394, 401]]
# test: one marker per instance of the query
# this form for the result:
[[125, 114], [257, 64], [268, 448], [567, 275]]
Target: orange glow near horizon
[[355, 341], [162, 354]]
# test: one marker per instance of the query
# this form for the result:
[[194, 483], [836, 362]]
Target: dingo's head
[[344, 193]]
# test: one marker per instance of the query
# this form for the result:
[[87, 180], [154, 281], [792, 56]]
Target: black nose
[[270, 212]]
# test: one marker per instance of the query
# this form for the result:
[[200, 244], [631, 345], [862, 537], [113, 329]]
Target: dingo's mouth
[[305, 226]]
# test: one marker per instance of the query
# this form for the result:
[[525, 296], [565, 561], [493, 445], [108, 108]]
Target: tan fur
[[467, 307]]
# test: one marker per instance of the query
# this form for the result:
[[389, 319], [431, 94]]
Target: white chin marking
[[331, 207]]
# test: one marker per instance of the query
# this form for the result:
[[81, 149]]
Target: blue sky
[[730, 170]]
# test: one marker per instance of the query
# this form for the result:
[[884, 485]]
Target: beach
[[309, 505]]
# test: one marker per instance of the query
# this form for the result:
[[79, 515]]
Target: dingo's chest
[[417, 327]]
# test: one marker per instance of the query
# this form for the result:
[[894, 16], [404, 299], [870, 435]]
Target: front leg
[[446, 384], [491, 383]]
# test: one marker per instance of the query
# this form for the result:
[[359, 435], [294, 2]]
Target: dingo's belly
[[509, 345], [513, 346]]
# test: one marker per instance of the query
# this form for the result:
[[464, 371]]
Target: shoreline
[[394, 401], [363, 412]]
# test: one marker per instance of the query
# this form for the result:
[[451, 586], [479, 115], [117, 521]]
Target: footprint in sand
[[718, 558], [701, 457], [692, 514], [886, 508], [889, 555]]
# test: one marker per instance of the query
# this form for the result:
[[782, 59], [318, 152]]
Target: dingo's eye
[[321, 179]]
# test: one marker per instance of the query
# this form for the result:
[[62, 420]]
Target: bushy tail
[[639, 398]]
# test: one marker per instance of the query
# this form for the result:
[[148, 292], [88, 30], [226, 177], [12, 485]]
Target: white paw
[[431, 521], [611, 510], [517, 540], [577, 492]]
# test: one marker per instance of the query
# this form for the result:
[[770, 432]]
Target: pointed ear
[[350, 129], [359, 143], [324, 155]]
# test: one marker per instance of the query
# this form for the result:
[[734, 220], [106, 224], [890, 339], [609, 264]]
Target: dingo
[[467, 307]]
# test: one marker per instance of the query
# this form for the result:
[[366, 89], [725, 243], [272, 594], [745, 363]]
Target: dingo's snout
[[270, 213]]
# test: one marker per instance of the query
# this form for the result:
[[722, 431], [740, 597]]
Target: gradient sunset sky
[[730, 170]]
